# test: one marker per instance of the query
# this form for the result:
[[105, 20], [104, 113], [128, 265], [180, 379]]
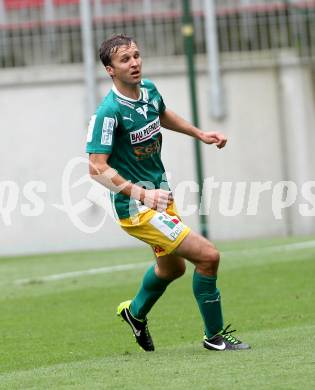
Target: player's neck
[[130, 91]]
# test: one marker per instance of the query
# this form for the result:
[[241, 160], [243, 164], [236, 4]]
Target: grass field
[[61, 332]]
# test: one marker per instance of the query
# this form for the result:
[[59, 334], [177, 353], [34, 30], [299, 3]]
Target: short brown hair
[[111, 45]]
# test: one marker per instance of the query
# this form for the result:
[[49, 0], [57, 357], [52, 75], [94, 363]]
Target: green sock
[[150, 291], [209, 302]]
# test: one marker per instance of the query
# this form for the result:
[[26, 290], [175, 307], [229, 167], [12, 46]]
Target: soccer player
[[124, 144]]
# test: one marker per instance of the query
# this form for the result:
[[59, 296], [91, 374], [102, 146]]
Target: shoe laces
[[226, 334], [145, 328], [147, 333]]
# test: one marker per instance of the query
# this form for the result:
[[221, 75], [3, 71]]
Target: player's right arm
[[104, 174]]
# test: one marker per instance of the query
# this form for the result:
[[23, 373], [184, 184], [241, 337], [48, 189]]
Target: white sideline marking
[[275, 248], [125, 267], [91, 271]]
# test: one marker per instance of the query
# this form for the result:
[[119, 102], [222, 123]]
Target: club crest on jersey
[[156, 104], [145, 132], [143, 111], [145, 95]]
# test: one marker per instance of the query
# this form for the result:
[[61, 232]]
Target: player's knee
[[211, 260], [215, 256]]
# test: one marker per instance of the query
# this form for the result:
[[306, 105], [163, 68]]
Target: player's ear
[[110, 70]]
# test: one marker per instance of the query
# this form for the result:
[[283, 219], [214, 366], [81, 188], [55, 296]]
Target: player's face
[[126, 65]]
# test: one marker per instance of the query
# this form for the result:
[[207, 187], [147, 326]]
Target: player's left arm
[[170, 120]]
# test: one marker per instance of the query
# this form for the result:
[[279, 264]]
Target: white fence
[[37, 32]]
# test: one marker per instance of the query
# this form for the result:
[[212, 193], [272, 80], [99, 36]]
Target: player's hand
[[158, 199], [216, 138]]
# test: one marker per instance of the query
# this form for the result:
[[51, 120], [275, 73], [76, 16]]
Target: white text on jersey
[[145, 132]]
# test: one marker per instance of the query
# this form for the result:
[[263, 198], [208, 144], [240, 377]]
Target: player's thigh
[[170, 266], [197, 249]]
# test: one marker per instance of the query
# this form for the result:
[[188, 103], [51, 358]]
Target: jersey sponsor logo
[[125, 103], [171, 227], [143, 152], [90, 128], [107, 131], [145, 132], [143, 111]]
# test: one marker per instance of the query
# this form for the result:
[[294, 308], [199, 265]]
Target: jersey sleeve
[[101, 132], [162, 106]]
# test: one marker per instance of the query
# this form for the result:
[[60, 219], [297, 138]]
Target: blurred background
[[254, 70]]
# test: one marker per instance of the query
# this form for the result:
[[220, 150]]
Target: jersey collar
[[115, 90]]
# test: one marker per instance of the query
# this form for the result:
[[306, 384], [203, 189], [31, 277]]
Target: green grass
[[64, 334]]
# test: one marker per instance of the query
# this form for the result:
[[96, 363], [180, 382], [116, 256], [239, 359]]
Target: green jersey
[[129, 131]]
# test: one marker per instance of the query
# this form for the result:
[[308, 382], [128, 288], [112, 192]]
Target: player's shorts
[[163, 231]]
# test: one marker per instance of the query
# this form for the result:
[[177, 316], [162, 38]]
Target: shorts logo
[[143, 111], [145, 132], [107, 131], [158, 249], [171, 227]]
